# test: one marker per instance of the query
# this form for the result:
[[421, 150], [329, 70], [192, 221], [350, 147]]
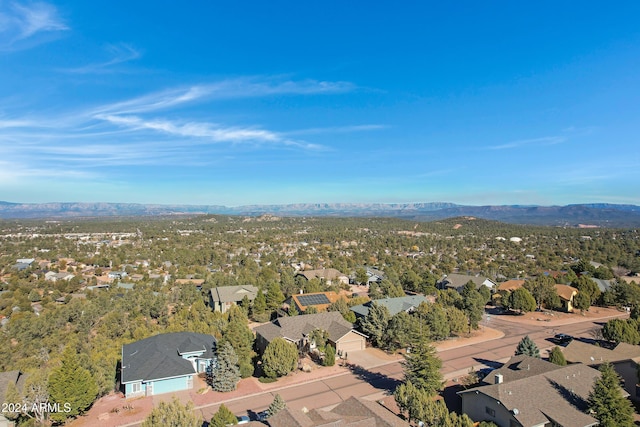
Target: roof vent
[[515, 411], [498, 379]]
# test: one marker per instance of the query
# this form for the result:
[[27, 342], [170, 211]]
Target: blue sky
[[234, 103]]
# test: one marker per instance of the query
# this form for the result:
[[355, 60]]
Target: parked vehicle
[[562, 339]]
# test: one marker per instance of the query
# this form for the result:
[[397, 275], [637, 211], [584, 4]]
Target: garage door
[[351, 345]]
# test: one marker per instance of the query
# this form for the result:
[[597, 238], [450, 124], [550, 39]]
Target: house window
[[490, 411], [135, 388]]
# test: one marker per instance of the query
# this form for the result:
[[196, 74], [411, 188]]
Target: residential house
[[605, 285], [530, 392], [457, 282], [505, 288], [296, 329], [195, 282], [566, 294], [320, 300], [510, 285], [6, 378], [352, 412], [117, 275], [52, 276], [394, 305], [625, 359], [628, 279], [165, 363], [223, 297], [330, 275]]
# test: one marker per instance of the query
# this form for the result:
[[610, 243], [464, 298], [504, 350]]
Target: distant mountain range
[[594, 214]]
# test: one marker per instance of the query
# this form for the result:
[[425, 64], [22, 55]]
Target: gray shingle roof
[[325, 273], [556, 394], [233, 293], [456, 281], [589, 354], [353, 412], [10, 377], [293, 328], [159, 356], [603, 285], [394, 305]]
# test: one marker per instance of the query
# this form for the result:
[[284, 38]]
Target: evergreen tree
[[375, 323], [71, 384], [319, 337], [587, 287], [581, 301], [276, 406], [411, 400], [557, 357], [293, 310], [606, 401], [527, 347], [222, 418], [522, 300], [245, 305], [172, 414], [329, 356], [238, 334], [259, 303], [420, 406], [422, 367], [225, 374], [279, 358], [274, 297], [435, 321], [457, 320], [544, 291], [402, 328], [621, 330], [472, 304]]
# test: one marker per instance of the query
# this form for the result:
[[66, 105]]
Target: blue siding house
[[165, 363]]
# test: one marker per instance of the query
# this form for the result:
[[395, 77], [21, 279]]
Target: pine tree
[[279, 358], [522, 300], [422, 367], [238, 334], [276, 406], [329, 356], [606, 401], [223, 417], [71, 384], [172, 414], [225, 374], [375, 323], [260, 303], [557, 357], [274, 297], [527, 347]]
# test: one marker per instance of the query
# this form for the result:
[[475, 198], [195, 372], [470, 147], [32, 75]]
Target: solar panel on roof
[[307, 300]]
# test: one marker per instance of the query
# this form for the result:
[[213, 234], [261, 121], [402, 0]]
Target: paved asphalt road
[[383, 379]]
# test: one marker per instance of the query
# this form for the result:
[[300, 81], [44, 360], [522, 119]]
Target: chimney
[[498, 379]]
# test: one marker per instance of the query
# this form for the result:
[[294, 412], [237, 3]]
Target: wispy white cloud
[[337, 129], [119, 53], [12, 171], [91, 141], [209, 131], [550, 140], [225, 89], [21, 22]]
